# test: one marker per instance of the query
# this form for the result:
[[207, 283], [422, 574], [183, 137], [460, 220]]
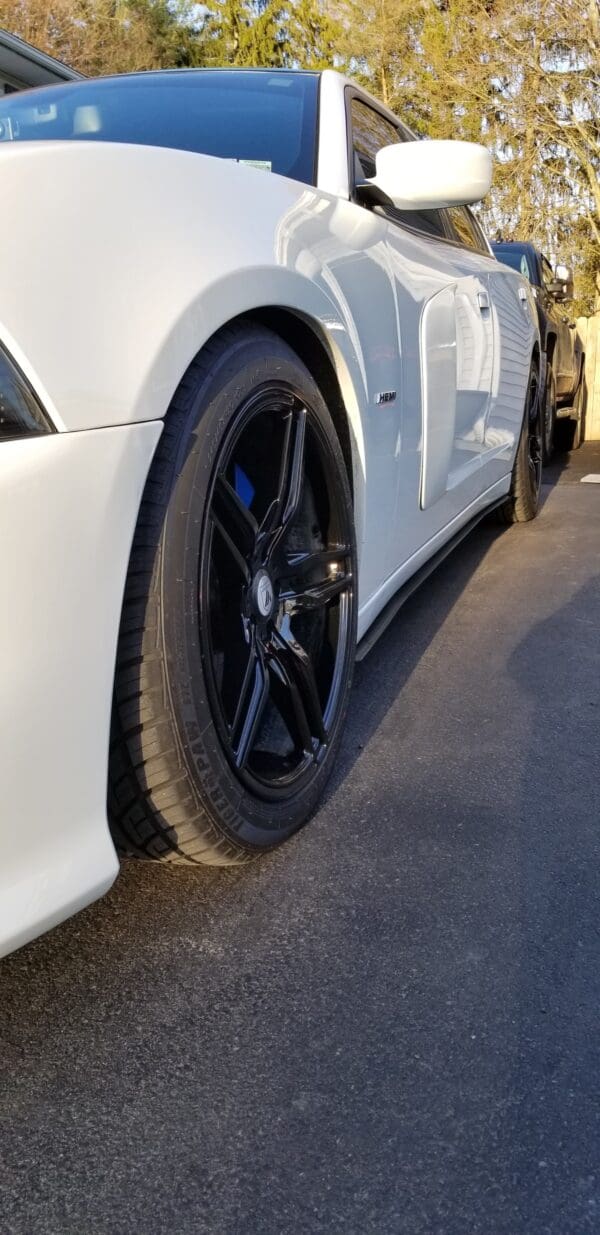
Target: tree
[[312, 35], [246, 33], [109, 36], [271, 34], [521, 75], [549, 130]]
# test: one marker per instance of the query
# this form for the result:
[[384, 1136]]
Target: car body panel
[[462, 452], [558, 338], [513, 310], [438, 393], [104, 309], [71, 502]]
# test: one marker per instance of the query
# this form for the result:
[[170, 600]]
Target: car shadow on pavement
[[567, 465], [385, 670], [554, 837]]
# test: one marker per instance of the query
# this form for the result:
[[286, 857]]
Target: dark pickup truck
[[565, 375]]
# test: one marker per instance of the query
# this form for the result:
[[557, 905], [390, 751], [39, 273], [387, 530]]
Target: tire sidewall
[[579, 426], [523, 500], [251, 822], [548, 422]]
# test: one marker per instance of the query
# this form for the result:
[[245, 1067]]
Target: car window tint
[[466, 229], [515, 258], [371, 131], [547, 275], [261, 118]]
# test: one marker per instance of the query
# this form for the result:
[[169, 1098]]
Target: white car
[[259, 369]]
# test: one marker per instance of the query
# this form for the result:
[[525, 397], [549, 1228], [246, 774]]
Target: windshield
[[267, 119], [515, 258]]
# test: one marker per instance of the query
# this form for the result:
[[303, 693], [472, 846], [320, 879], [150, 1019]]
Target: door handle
[[483, 301]]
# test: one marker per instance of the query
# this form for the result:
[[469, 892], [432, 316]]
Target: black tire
[[565, 435], [197, 772], [524, 496], [549, 416], [579, 408]]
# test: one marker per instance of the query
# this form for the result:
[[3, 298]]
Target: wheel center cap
[[263, 593]]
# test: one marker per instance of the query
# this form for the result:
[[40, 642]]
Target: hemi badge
[[386, 396]]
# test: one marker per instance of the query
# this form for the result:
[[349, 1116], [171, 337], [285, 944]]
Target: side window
[[370, 132], [466, 229], [547, 275]]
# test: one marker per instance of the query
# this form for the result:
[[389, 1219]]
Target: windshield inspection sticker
[[264, 165], [592, 478]]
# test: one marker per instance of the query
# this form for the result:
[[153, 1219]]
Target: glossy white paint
[[332, 167], [428, 174], [438, 394], [68, 507], [104, 307]]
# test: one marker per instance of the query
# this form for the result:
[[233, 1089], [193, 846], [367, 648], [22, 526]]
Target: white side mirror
[[427, 175]]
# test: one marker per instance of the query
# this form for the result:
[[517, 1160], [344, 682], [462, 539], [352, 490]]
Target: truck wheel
[[239, 623], [549, 416], [524, 496], [579, 409]]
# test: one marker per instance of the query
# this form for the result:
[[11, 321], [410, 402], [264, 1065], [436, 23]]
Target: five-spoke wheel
[[275, 590], [238, 636]]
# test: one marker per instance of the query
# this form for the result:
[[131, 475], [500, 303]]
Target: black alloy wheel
[[238, 631], [276, 585]]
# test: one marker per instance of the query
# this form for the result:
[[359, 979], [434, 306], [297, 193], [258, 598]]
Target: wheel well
[[539, 360], [305, 342]]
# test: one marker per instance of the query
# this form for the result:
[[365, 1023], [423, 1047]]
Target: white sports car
[[258, 370]]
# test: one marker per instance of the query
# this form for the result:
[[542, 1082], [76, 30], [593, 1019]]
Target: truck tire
[[549, 416], [579, 408]]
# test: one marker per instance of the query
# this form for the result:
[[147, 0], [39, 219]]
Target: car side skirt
[[380, 610]]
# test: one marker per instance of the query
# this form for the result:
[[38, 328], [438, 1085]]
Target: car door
[[446, 344], [515, 323]]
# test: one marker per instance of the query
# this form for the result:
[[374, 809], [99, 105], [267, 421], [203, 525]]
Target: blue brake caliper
[[243, 486]]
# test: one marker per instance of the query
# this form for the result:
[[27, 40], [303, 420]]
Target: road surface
[[390, 1027]]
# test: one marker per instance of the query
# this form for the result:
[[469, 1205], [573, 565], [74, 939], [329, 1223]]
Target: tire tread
[[522, 504], [161, 803], [140, 767]]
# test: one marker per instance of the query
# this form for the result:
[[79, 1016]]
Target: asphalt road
[[391, 1025]]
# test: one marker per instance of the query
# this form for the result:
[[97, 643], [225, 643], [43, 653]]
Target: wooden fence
[[589, 331]]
